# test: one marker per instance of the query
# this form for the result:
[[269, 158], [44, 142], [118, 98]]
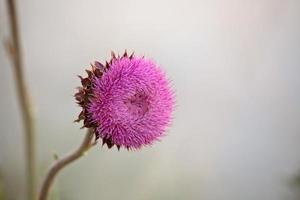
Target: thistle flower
[[128, 101]]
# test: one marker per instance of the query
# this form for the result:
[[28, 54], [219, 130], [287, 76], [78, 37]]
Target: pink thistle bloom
[[128, 102]]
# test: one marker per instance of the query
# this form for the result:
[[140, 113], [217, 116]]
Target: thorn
[[93, 68], [96, 134], [88, 72], [78, 97], [99, 65], [113, 55], [76, 120], [80, 117], [103, 142], [79, 88], [131, 56], [107, 65], [108, 142], [96, 137], [98, 73], [125, 53], [85, 82]]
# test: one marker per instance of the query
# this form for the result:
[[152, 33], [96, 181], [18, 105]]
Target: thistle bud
[[128, 101]]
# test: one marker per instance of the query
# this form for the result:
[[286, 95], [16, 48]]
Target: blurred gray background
[[235, 66]]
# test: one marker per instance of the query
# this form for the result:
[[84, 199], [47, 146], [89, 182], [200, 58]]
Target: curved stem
[[63, 162], [24, 99]]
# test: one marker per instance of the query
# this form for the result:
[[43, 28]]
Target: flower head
[[128, 101]]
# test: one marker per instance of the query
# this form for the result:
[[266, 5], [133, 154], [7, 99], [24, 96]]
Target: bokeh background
[[235, 66]]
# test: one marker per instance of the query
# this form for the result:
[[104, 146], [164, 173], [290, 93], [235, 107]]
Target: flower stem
[[63, 162], [24, 99]]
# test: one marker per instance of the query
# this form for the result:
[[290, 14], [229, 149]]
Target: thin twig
[[63, 162], [24, 98]]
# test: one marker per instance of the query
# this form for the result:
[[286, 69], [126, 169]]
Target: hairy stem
[[63, 162], [24, 99]]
